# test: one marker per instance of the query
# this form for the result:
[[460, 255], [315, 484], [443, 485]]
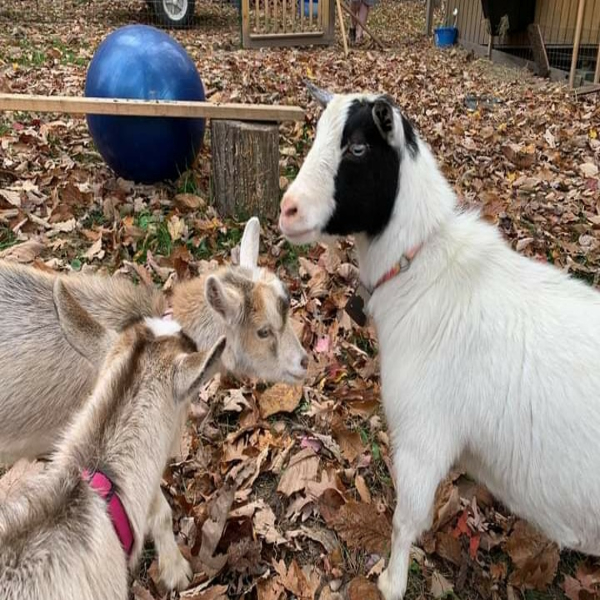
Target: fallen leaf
[[95, 250], [361, 527], [235, 401], [588, 169], [349, 441], [270, 589], [449, 547], [362, 489], [212, 530], [440, 586], [360, 588], [189, 201], [279, 398], [264, 525], [301, 470], [521, 157], [24, 252], [534, 556]]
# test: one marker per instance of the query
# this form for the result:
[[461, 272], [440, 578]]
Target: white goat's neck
[[425, 201]]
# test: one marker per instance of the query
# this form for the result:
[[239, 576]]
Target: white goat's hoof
[[391, 587], [175, 572]]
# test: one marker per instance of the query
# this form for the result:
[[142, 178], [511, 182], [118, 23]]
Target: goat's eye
[[264, 332], [357, 150]]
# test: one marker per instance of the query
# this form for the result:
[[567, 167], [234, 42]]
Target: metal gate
[[287, 22]]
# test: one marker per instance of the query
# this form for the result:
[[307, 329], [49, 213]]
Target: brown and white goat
[[44, 379], [59, 537]]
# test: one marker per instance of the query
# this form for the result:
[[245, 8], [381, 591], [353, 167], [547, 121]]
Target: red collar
[[400, 267], [105, 488]]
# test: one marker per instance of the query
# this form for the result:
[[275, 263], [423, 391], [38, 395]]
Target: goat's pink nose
[[289, 207]]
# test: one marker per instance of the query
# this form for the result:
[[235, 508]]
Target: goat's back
[[52, 526], [38, 367]]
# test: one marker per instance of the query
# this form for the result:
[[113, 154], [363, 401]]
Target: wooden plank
[[597, 72], [150, 108], [539, 49], [578, 27], [291, 36], [593, 88]]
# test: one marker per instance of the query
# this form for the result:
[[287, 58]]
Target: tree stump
[[245, 168]]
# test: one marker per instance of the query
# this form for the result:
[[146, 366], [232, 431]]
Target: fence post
[[576, 42], [429, 17]]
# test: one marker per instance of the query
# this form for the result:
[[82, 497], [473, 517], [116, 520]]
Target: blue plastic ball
[[142, 62]]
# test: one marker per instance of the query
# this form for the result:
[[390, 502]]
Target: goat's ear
[[383, 115], [250, 244], [323, 97], [225, 299], [80, 329], [195, 369]]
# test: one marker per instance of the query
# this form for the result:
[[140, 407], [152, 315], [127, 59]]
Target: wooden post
[[342, 26], [539, 49], [245, 168], [429, 17], [597, 73], [576, 42]]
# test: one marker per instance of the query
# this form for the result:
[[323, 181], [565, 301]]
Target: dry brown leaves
[[313, 494], [534, 557]]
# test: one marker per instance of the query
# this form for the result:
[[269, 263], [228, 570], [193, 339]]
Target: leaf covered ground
[[282, 492]]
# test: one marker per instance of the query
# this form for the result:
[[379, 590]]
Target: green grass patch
[[7, 238]]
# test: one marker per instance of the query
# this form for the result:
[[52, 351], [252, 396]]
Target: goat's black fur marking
[[383, 112], [366, 186], [410, 137]]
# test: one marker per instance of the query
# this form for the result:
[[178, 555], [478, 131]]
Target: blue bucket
[[445, 36], [307, 8]]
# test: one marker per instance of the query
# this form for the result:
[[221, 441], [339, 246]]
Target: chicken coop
[[556, 38]]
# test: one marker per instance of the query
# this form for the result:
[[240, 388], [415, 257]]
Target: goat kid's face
[[254, 305], [350, 178]]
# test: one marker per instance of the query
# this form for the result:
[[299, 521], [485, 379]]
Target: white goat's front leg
[[416, 476], [174, 570]]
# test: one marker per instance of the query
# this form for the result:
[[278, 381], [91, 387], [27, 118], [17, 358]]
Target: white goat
[[71, 531], [44, 379], [488, 359]]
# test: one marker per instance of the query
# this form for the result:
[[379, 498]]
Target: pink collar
[[105, 488], [400, 267]]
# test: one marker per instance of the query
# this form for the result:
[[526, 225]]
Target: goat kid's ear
[[250, 243], [323, 97], [196, 369], [224, 299], [383, 115], [81, 330]]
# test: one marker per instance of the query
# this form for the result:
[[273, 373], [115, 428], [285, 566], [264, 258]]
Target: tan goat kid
[[44, 379], [57, 535]]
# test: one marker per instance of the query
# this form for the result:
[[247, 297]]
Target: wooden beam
[[429, 17], [597, 73], [150, 108], [576, 42], [592, 88]]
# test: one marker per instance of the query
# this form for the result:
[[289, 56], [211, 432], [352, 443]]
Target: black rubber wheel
[[174, 13]]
